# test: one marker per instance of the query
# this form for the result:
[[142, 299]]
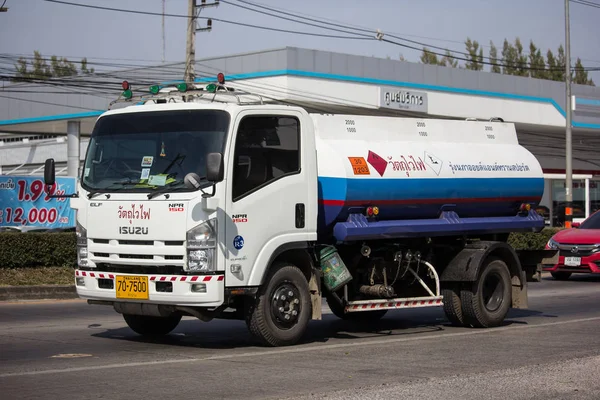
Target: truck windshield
[[147, 151]]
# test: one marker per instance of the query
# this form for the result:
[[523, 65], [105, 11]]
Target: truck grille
[[121, 253]]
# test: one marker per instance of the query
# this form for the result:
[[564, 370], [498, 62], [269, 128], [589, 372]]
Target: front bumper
[[587, 264], [181, 294]]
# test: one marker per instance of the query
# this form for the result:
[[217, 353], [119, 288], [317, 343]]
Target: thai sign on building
[[402, 99]]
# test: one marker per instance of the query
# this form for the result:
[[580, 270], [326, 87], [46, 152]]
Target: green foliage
[[428, 57], [59, 67], [513, 61], [495, 68], [530, 240], [27, 250], [475, 56], [581, 75]]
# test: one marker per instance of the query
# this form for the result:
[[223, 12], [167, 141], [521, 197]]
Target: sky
[[110, 37]]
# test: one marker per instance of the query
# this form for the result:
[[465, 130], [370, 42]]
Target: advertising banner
[[24, 201]]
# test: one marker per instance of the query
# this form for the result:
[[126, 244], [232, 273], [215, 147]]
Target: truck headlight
[[201, 246], [82, 249]]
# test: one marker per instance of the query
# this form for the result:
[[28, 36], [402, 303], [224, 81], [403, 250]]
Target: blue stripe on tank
[[344, 189]]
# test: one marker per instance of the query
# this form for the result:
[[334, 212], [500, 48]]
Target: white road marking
[[70, 355], [301, 349]]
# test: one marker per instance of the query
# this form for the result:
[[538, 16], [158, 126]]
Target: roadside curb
[[41, 292]]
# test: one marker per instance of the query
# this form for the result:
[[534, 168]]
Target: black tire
[[560, 275], [152, 326], [453, 306], [265, 318], [362, 316], [486, 304]]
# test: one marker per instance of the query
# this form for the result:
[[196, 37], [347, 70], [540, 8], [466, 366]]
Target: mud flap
[[519, 291], [315, 296]]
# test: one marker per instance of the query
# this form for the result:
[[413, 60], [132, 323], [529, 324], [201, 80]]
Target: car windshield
[[593, 222], [146, 151]]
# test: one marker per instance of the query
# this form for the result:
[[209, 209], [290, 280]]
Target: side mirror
[[215, 170], [576, 224], [49, 172]]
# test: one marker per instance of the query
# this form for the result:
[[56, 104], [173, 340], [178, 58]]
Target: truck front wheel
[[152, 326], [281, 311], [487, 302]]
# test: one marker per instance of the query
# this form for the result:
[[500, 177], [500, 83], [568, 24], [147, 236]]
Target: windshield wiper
[[122, 183], [164, 189]]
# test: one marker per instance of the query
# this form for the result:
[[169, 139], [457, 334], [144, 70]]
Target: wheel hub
[[285, 305], [493, 292]]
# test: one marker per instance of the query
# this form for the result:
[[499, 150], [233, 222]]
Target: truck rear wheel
[[280, 314], [152, 326], [488, 301], [453, 306]]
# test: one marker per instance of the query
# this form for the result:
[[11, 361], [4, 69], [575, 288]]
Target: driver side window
[[267, 148]]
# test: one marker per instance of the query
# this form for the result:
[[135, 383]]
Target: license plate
[[132, 287], [573, 261]]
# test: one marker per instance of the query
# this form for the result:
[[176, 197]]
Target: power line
[[358, 37], [301, 22], [449, 55], [206, 18], [586, 3]]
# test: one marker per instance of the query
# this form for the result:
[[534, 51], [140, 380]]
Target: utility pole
[[192, 28], [190, 51], [163, 31], [569, 109]]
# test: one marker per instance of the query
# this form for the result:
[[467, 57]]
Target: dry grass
[[36, 276]]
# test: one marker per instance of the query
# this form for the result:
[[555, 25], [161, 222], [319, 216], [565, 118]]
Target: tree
[[521, 59], [40, 70], [536, 63], [559, 74], [427, 57], [495, 68], [580, 76], [509, 59], [448, 60], [475, 56], [552, 64]]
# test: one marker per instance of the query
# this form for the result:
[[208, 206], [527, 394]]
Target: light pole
[[569, 108]]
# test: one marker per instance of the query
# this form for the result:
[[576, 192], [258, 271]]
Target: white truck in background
[[209, 202]]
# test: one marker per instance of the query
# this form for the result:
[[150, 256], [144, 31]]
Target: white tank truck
[[209, 202]]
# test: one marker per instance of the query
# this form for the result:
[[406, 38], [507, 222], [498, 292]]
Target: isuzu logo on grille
[[133, 230]]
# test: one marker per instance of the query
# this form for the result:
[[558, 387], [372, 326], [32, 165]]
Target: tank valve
[[365, 251], [398, 256], [377, 291]]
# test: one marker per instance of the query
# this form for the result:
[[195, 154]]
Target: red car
[[579, 249]]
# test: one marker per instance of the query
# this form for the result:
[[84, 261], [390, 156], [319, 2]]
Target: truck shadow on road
[[227, 334]]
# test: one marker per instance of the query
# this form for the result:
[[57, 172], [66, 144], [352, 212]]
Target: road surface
[[71, 350]]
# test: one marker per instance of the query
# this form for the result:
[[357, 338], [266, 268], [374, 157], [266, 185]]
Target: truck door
[[271, 192]]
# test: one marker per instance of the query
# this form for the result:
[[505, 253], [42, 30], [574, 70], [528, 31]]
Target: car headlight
[[82, 249], [201, 246], [552, 245]]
